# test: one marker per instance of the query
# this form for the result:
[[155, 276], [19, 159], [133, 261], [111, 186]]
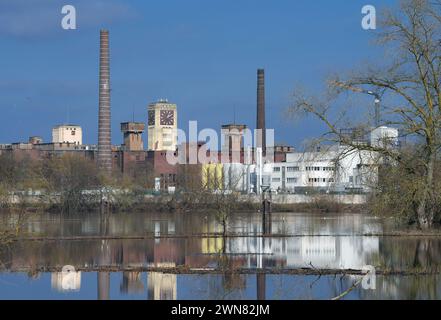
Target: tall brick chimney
[[261, 139], [104, 130]]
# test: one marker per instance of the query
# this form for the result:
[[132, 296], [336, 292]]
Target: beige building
[[162, 126], [67, 133]]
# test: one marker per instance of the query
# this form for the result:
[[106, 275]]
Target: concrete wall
[[301, 198]]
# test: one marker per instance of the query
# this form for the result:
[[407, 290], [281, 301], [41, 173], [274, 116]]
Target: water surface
[[141, 256]]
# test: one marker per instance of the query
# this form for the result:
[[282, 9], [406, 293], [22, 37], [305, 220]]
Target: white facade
[[384, 136], [68, 133], [335, 168], [325, 170]]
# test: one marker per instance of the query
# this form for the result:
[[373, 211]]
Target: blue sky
[[200, 54]]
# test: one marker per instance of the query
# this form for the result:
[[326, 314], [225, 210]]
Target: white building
[[384, 136], [67, 133], [335, 168]]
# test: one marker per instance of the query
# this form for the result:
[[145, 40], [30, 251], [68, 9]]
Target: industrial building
[[162, 126], [236, 166], [332, 168], [66, 133], [132, 135]]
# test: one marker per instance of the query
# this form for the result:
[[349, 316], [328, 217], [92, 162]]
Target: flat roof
[[67, 125]]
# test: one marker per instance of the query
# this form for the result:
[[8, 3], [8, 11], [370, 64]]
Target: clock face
[[167, 117], [151, 117]]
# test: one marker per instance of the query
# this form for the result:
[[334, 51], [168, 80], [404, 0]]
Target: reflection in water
[[132, 282], [331, 241], [103, 285], [219, 286], [261, 286], [66, 281], [140, 224], [161, 286]]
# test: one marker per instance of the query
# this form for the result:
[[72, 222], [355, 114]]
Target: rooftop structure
[[66, 133], [132, 134]]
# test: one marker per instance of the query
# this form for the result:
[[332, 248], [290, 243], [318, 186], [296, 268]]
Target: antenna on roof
[[68, 114]]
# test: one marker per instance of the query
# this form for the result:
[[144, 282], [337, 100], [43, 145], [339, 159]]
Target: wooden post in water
[[266, 212], [103, 285], [261, 286]]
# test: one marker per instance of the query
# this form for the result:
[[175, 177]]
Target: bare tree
[[74, 179], [410, 81]]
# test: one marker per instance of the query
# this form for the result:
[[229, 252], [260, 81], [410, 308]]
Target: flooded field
[[187, 256]]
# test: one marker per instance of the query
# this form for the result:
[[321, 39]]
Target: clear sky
[[200, 54]]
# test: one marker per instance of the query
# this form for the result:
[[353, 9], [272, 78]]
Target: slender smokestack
[[104, 130], [261, 139]]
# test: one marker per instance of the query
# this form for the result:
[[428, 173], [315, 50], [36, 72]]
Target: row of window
[[291, 180], [319, 168], [294, 169], [320, 180], [311, 180], [288, 180], [168, 178]]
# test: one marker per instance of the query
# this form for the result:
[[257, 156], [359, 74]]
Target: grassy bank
[[169, 204]]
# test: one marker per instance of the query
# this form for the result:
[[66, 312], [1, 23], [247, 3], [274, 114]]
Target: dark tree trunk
[[425, 211]]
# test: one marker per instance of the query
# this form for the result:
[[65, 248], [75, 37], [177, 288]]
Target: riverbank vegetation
[[407, 84]]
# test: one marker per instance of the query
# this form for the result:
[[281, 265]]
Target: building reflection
[[161, 286], [66, 281], [332, 247], [132, 283]]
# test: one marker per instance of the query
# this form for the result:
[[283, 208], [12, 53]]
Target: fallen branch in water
[[354, 285]]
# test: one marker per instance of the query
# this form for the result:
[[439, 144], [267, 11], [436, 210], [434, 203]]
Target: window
[[292, 169], [291, 180], [276, 169], [276, 179], [72, 133]]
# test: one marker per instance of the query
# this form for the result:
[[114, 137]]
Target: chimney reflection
[[261, 285], [103, 285], [131, 283]]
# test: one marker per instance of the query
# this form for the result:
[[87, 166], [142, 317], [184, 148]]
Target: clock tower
[[162, 126]]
